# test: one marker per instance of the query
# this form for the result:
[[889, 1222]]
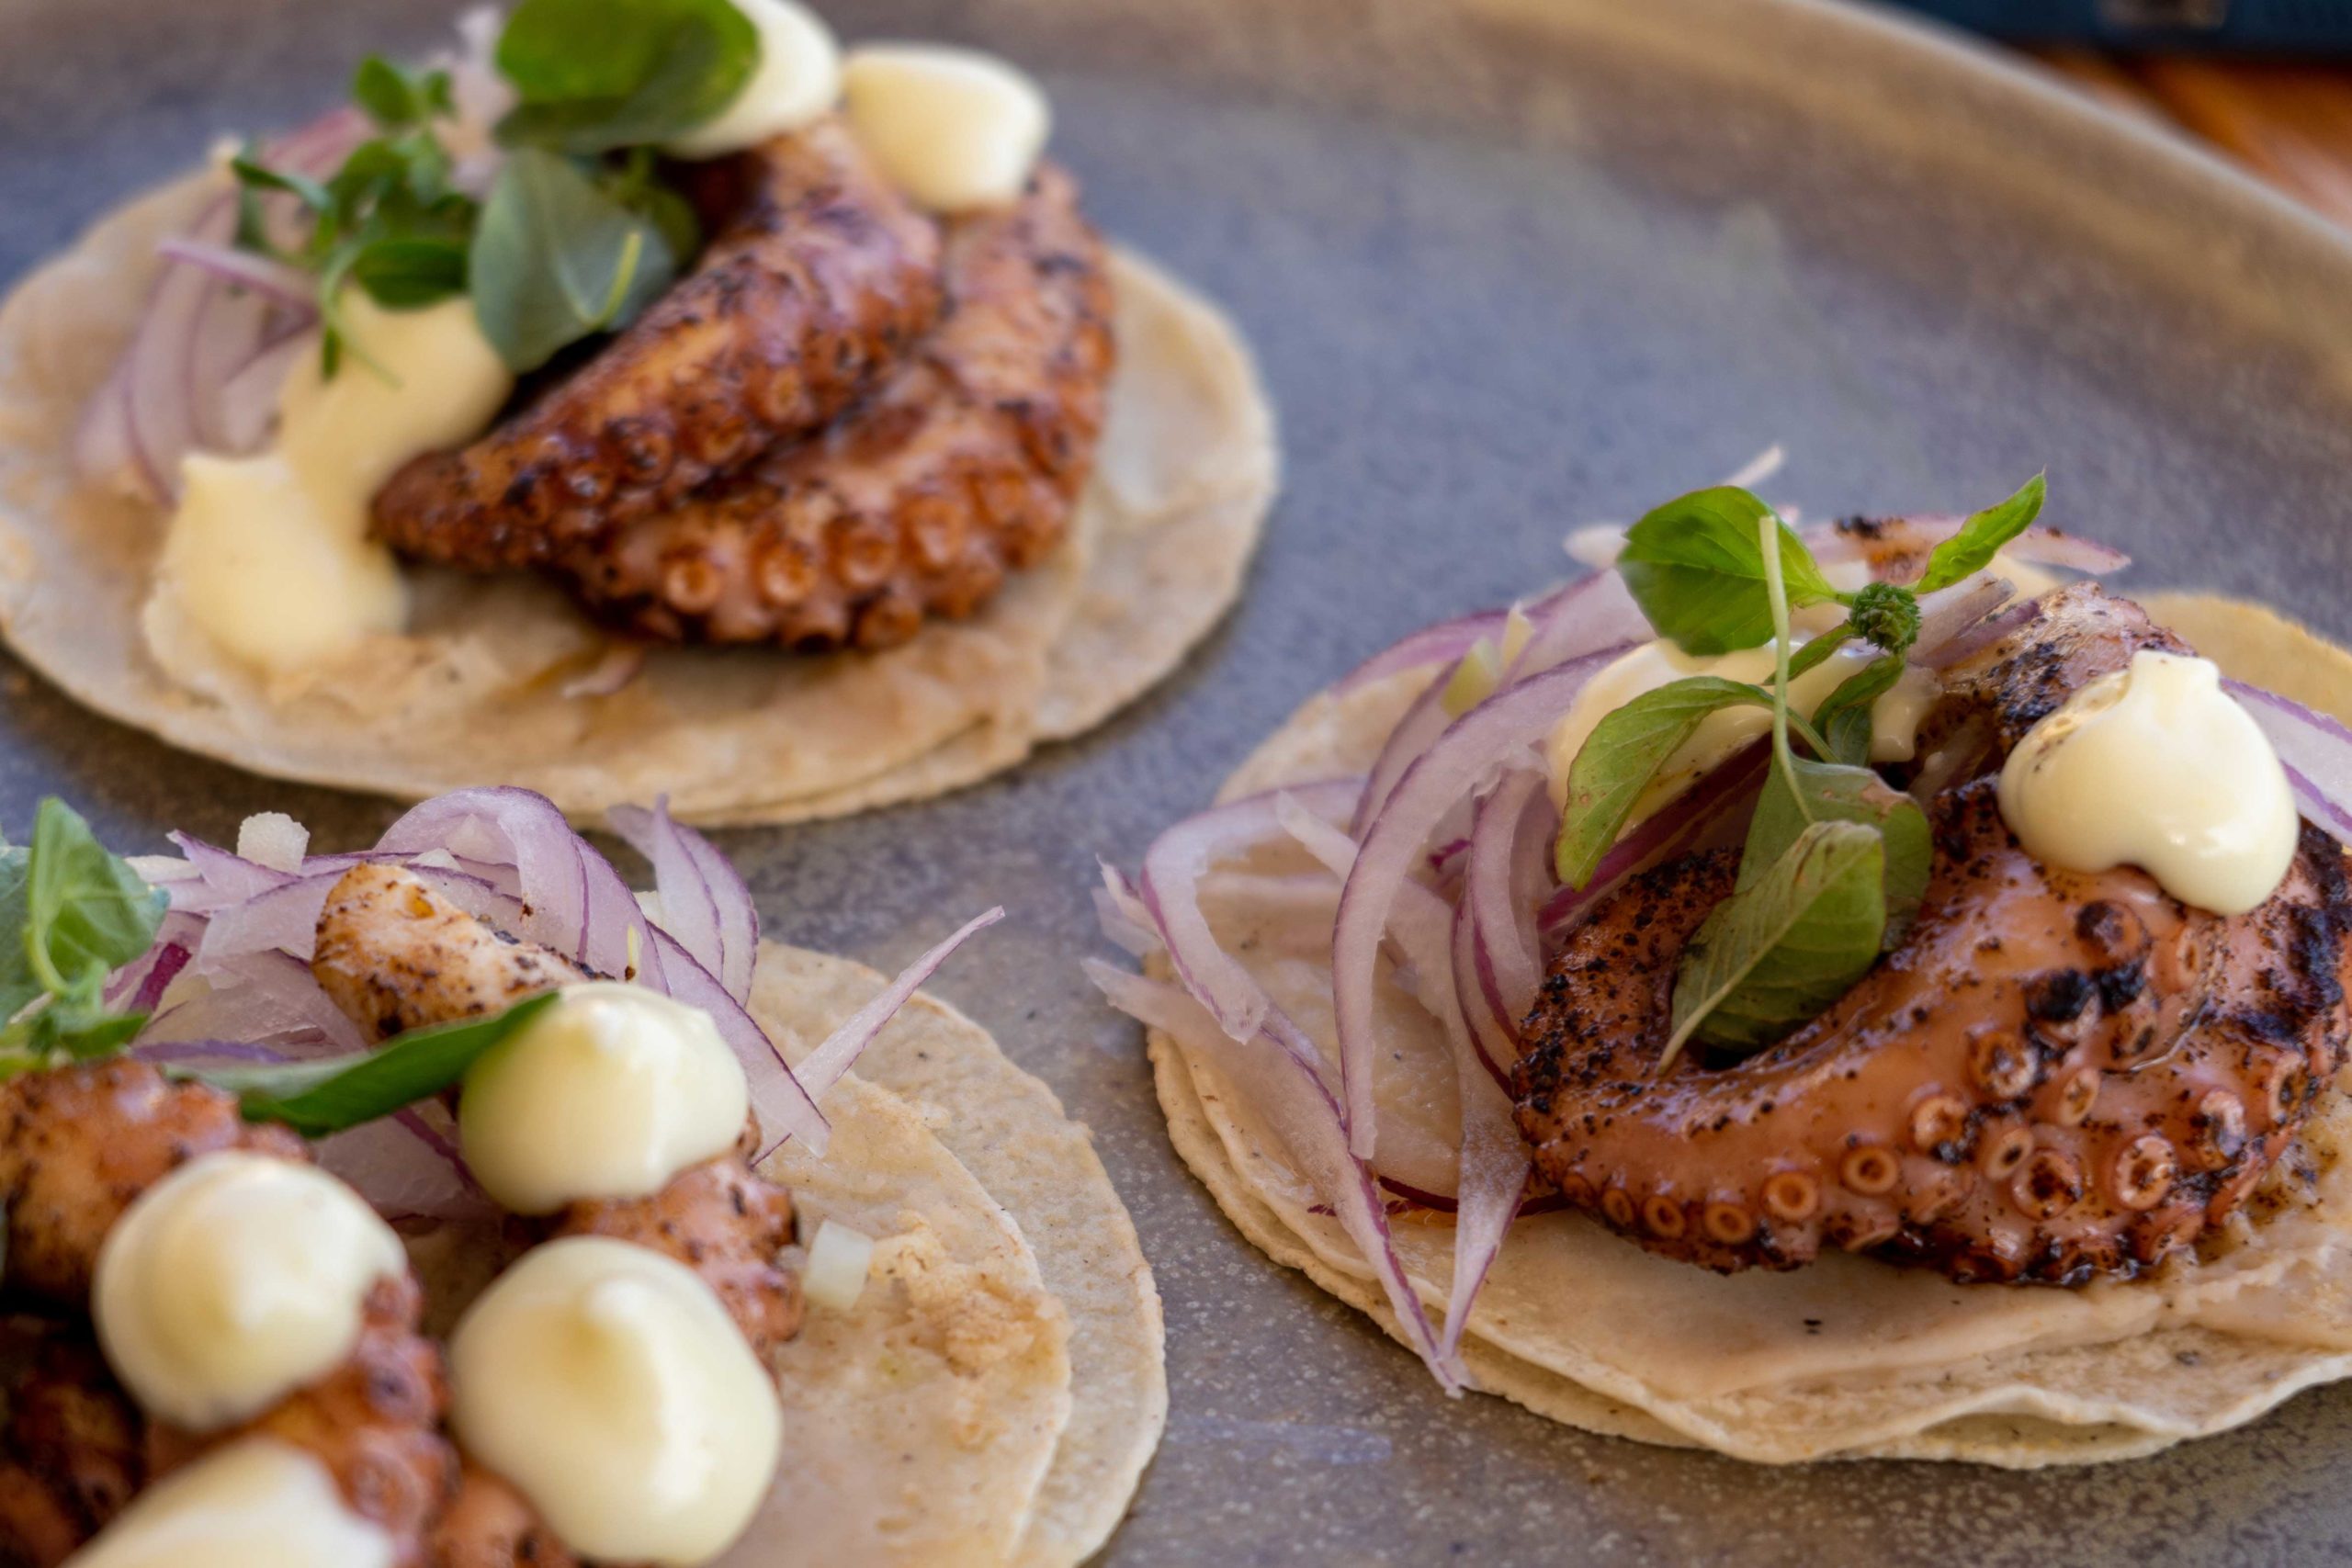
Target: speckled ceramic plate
[[1511, 264]]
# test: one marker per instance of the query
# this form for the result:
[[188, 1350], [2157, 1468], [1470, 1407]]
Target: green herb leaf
[[1771, 956], [557, 259], [396, 99], [17, 983], [1800, 792], [599, 74], [406, 274], [1696, 568], [1811, 655], [1624, 753], [318, 1098], [86, 912], [1844, 716], [1981, 537]]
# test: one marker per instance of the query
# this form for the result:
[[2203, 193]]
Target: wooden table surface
[[2291, 124]]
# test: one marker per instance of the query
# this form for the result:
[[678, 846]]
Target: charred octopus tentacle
[[2055, 1075], [84, 1143], [810, 294], [965, 465]]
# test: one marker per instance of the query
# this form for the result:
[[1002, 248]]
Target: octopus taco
[[650, 397], [1804, 996], [447, 1205]]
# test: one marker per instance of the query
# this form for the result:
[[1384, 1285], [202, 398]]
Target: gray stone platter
[[1512, 265]]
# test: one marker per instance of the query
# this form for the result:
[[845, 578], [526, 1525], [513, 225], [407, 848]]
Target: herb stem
[[1776, 594]]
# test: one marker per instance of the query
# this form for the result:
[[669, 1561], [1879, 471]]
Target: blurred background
[[2266, 82]]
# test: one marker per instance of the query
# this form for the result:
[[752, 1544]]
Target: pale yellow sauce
[[269, 555], [609, 1385], [608, 1093], [257, 1503], [954, 129], [233, 1282], [2156, 766]]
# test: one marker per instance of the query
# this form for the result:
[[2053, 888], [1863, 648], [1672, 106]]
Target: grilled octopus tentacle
[[965, 465], [809, 294], [83, 1144], [2055, 1075]]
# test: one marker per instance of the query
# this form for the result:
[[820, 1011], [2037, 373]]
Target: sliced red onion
[[1122, 913], [288, 285], [1758, 468], [1506, 881], [1450, 771], [704, 901], [619, 664], [1305, 1117], [1586, 617], [245, 407], [1976, 640], [2315, 751], [2047, 546], [1441, 644], [823, 1068], [1172, 869], [1673, 829], [1949, 612]]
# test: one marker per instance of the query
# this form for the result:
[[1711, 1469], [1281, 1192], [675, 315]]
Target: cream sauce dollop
[[269, 555], [795, 84], [608, 1093], [954, 129], [2156, 766], [233, 1282], [608, 1383], [257, 1503]]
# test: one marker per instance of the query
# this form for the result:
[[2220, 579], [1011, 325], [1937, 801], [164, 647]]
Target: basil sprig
[[1835, 861], [69, 915], [322, 1098]]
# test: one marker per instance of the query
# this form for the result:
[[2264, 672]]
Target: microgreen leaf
[[395, 97], [1811, 655], [1981, 537], [1624, 752], [1844, 716], [1771, 956], [557, 259], [321, 1098], [405, 275], [1696, 568], [593, 75]]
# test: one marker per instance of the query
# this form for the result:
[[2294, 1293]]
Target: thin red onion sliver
[[2314, 749], [823, 1068], [1441, 644], [1976, 640], [704, 901], [1450, 771], [1305, 1117], [1671, 828], [1949, 612], [1503, 885], [1170, 888], [289, 285]]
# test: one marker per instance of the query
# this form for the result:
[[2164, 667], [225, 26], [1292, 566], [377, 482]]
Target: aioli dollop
[[608, 1093], [954, 129], [608, 1383], [269, 555], [255, 1503], [795, 84], [233, 1282], [2156, 766], [1894, 717]]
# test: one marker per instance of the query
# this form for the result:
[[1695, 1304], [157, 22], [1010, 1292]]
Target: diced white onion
[[838, 1260], [273, 839]]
